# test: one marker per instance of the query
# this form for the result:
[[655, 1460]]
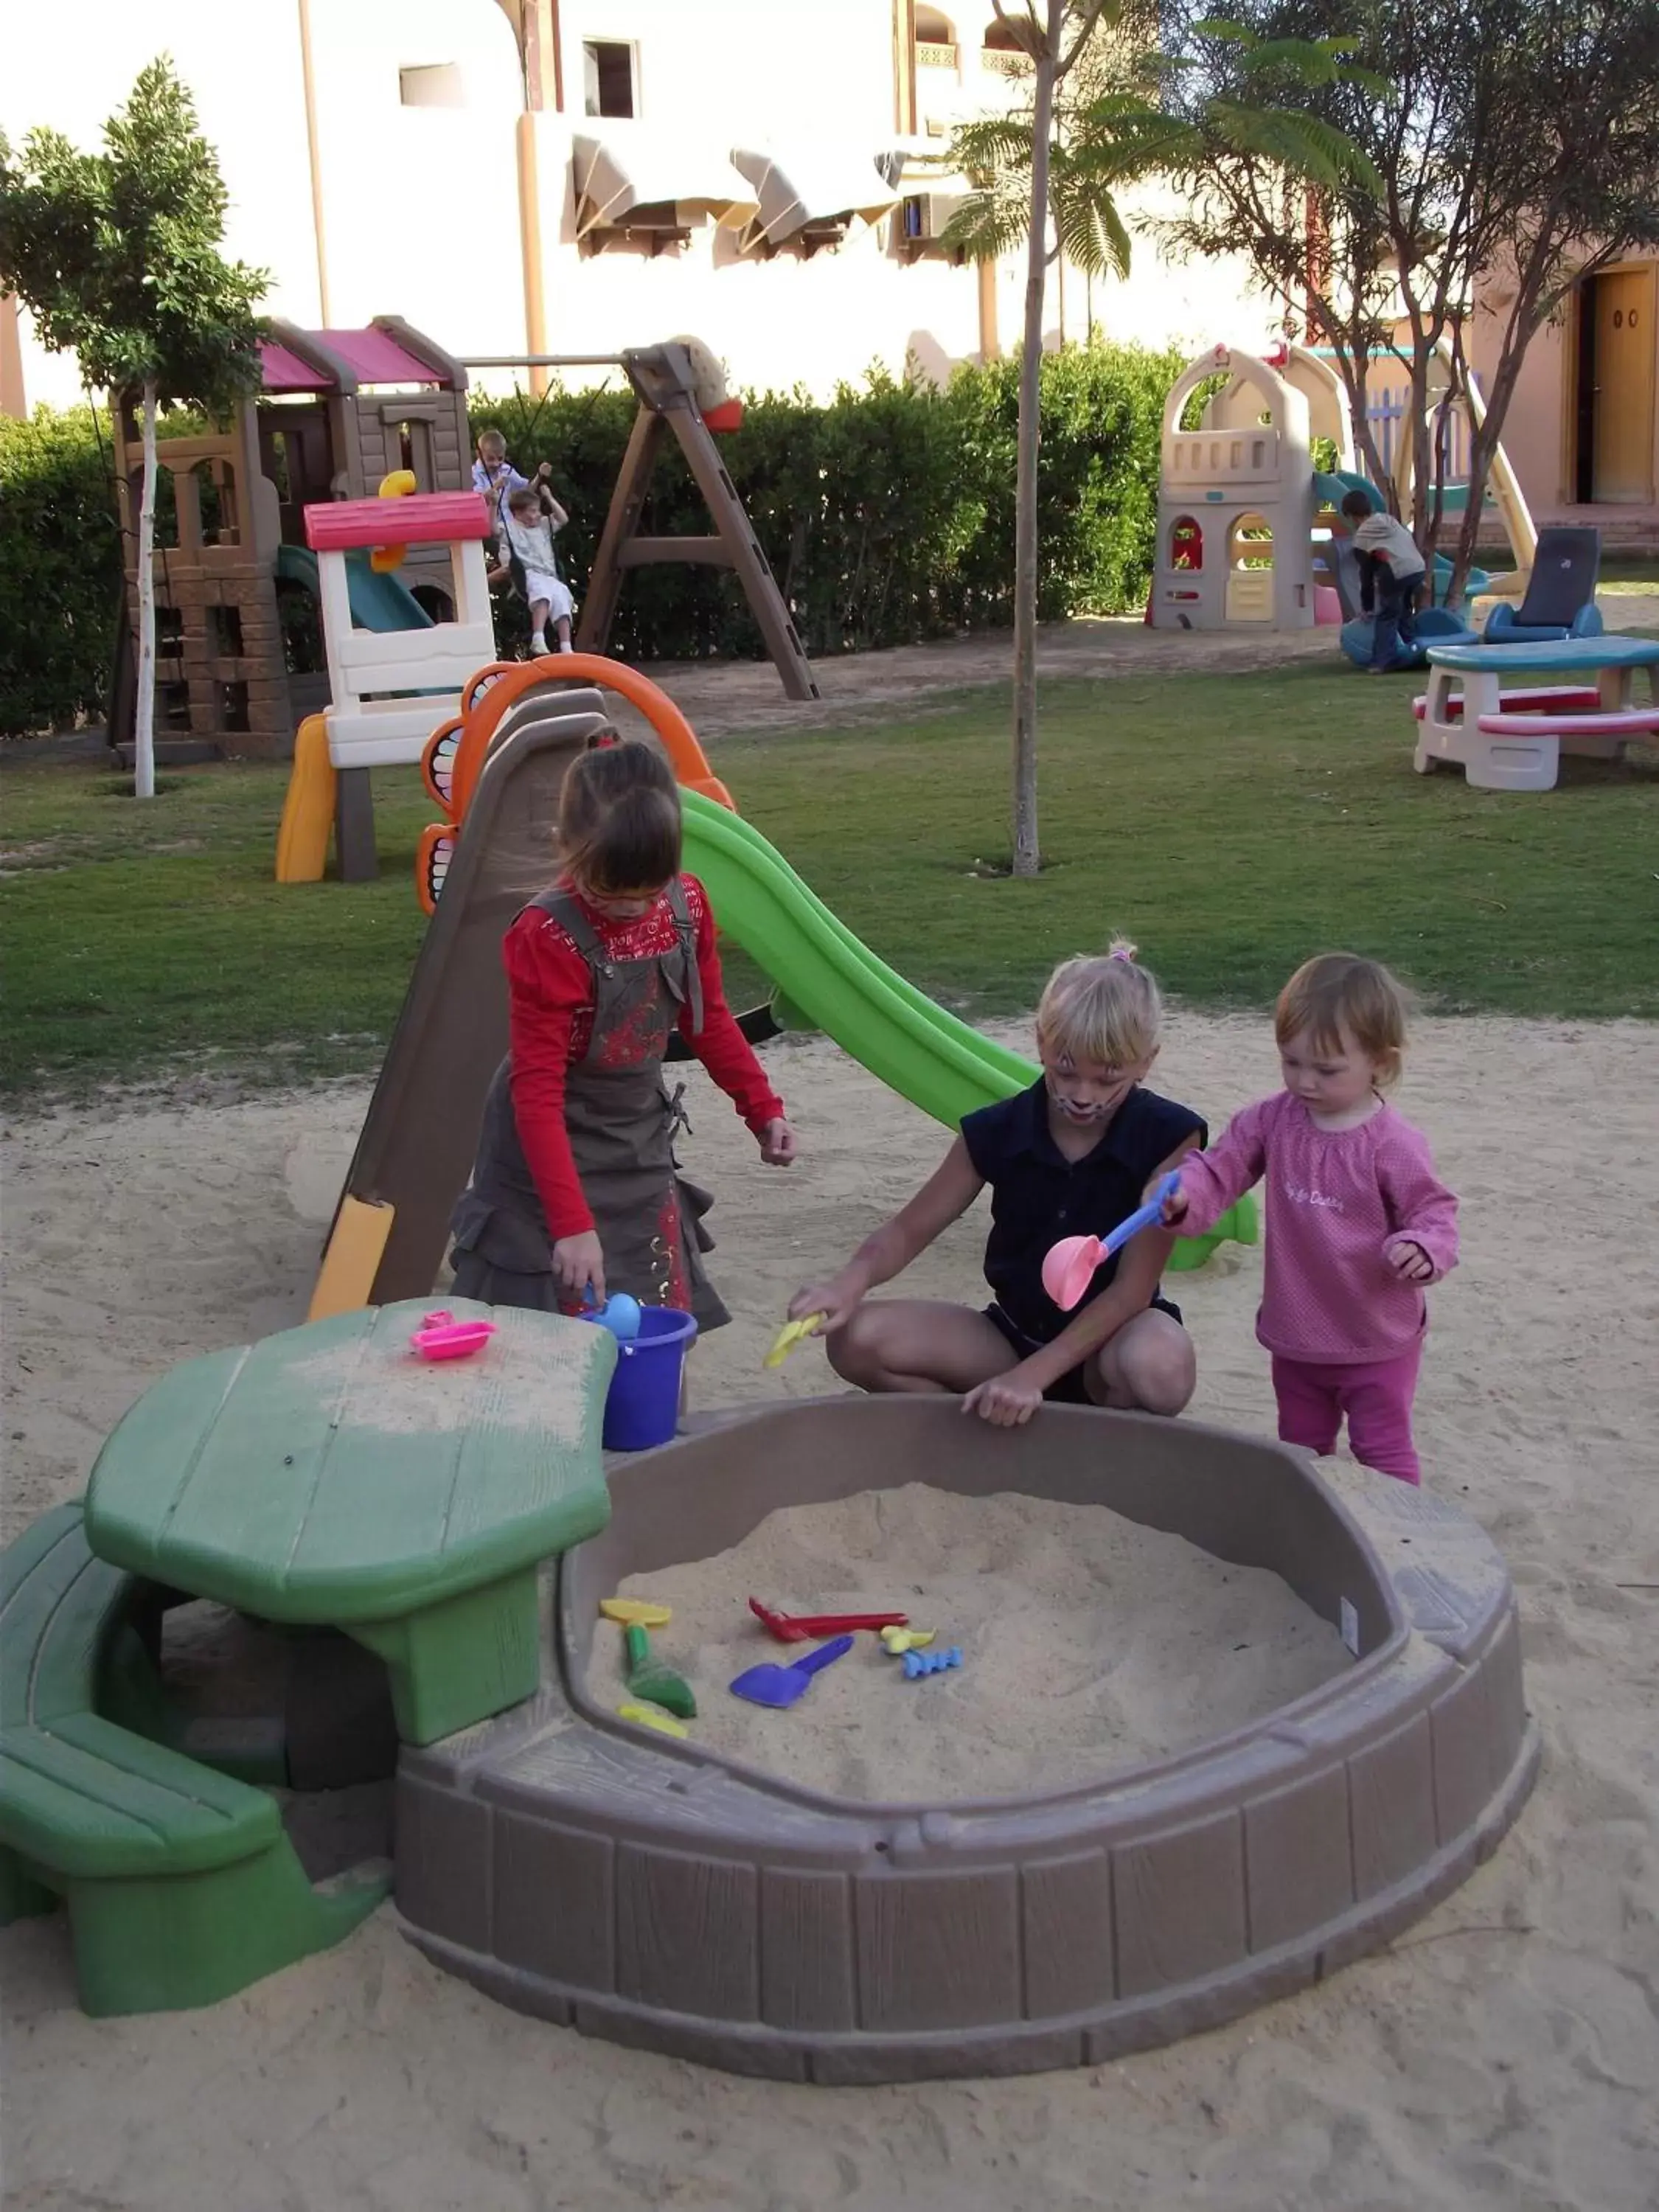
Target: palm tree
[[1049, 175]]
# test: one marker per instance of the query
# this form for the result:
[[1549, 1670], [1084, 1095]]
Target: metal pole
[[314, 156], [541, 361]]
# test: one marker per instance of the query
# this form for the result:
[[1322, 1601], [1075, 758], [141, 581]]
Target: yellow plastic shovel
[[792, 1333]]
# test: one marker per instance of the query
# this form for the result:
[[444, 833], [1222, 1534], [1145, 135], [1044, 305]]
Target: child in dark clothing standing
[[576, 1182], [1391, 574]]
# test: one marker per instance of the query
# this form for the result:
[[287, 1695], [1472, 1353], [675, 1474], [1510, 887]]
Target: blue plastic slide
[[378, 602]]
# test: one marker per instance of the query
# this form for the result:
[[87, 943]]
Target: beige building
[[1583, 430], [574, 176]]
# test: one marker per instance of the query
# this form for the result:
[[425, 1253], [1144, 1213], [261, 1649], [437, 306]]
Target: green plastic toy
[[657, 1684]]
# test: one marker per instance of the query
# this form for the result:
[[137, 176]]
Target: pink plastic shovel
[[440, 1336], [1069, 1267]]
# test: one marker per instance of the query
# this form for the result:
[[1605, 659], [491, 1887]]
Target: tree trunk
[[1025, 483], [143, 722]]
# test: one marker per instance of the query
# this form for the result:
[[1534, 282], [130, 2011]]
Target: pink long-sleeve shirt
[[1336, 1201]]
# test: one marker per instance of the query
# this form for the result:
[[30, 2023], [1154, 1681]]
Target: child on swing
[[530, 515], [575, 1189]]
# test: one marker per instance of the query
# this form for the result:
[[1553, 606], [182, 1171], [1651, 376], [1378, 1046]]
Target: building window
[[920, 226], [435, 85], [936, 40], [611, 69], [1002, 52]]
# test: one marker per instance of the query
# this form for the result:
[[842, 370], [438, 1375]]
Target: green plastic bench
[[181, 1886]]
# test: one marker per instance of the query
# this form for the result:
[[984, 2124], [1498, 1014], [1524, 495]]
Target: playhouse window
[[225, 632], [215, 502], [437, 603], [276, 467], [1186, 542], [415, 451], [233, 706], [165, 520], [610, 77], [1250, 543]]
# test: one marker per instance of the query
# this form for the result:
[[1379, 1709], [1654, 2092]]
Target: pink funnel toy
[[440, 1336], [1069, 1267]]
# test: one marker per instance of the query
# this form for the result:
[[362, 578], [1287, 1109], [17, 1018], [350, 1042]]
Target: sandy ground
[[1086, 1643], [1506, 2052]]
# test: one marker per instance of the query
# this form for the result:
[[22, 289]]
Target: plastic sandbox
[[656, 1893]]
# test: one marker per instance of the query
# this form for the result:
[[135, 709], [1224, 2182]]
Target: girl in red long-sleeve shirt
[[576, 1182]]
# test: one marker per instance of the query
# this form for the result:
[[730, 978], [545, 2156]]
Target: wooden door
[[1626, 343]]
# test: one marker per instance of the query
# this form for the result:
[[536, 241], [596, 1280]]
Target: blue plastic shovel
[[769, 1684]]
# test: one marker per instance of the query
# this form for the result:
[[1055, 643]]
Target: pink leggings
[[1375, 1394]]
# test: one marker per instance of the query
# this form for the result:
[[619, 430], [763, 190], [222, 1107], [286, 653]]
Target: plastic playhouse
[[386, 686], [337, 412], [1234, 502], [1249, 534]]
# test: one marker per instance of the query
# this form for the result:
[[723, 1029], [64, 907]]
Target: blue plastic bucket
[[643, 1406]]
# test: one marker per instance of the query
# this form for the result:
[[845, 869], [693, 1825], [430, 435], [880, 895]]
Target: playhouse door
[[1626, 341]]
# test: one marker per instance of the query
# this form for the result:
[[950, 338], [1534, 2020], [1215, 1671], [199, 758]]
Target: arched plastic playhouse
[[1234, 502]]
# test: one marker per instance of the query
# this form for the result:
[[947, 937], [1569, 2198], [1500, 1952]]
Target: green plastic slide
[[916, 1048], [378, 602]]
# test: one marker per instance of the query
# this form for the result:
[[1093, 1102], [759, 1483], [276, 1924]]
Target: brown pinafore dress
[[620, 1121]]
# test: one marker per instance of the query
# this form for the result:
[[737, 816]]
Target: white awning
[[810, 191], [621, 172]]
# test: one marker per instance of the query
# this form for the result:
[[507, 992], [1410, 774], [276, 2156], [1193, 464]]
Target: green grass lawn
[[1231, 825]]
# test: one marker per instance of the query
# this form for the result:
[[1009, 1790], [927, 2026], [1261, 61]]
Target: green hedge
[[60, 569], [887, 515]]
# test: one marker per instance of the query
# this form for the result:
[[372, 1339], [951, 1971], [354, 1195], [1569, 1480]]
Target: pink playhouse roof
[[373, 357], [378, 358], [425, 519], [283, 370]]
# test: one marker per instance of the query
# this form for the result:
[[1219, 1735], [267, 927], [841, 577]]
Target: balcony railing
[[1004, 61], [937, 53]]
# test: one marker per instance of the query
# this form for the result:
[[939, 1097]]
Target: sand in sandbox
[[1089, 1644]]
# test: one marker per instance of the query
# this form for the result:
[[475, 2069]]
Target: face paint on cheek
[[1075, 1111]]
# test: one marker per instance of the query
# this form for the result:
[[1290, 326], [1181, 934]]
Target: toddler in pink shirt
[[1356, 1220]]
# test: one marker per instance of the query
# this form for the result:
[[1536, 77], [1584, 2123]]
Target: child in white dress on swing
[[530, 515]]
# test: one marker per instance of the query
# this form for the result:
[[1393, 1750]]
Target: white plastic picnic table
[[1520, 747]]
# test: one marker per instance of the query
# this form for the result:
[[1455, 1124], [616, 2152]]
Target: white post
[[143, 726], [1024, 823]]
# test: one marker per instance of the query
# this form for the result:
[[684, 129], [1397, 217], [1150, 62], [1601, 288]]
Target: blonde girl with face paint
[[1069, 1156]]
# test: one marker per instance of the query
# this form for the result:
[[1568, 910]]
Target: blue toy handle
[[835, 1648], [1143, 1218]]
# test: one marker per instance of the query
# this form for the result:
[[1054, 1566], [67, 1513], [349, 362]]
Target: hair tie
[[1125, 952]]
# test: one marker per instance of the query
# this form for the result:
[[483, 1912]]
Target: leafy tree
[[116, 256], [1050, 174], [1518, 143]]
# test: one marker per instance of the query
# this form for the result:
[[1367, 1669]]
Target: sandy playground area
[[1504, 2053]]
